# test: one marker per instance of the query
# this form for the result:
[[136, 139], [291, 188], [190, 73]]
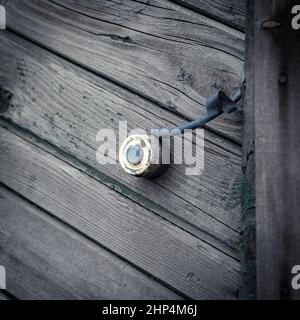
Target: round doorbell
[[141, 156]]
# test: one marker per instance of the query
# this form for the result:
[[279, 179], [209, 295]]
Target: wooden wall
[[73, 229]]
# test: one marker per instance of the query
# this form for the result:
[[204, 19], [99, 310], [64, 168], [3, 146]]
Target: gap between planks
[[5, 295], [38, 65], [165, 251], [47, 260], [110, 183], [177, 95], [229, 12]]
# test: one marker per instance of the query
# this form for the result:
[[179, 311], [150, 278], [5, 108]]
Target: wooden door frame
[[271, 152]]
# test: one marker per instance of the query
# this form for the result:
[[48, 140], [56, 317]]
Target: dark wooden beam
[[276, 69], [248, 225]]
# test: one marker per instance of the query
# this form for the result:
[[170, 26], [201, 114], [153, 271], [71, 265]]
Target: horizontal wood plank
[[169, 54], [66, 106], [4, 296], [231, 12], [45, 259], [151, 243]]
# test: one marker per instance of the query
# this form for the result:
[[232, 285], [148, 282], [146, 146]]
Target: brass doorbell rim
[[141, 155]]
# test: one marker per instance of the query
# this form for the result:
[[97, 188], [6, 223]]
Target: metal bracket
[[216, 104], [142, 157]]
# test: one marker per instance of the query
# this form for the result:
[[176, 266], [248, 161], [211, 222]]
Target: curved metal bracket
[[216, 104]]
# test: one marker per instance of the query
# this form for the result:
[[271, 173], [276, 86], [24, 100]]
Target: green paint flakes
[[51, 122], [21, 67], [5, 98], [74, 143], [61, 88], [171, 105], [185, 77]]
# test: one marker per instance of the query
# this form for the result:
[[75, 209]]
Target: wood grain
[[4, 296], [277, 149], [248, 223], [64, 105], [45, 259], [151, 243], [230, 12], [160, 50]]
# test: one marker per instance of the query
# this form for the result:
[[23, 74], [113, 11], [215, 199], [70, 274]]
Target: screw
[[270, 24], [282, 78]]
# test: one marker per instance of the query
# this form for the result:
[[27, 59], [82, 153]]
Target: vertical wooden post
[[276, 71], [248, 276]]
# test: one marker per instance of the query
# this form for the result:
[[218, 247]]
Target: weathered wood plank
[[248, 224], [4, 296], [45, 259], [66, 106], [230, 12], [151, 243], [248, 229], [277, 148], [170, 54]]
